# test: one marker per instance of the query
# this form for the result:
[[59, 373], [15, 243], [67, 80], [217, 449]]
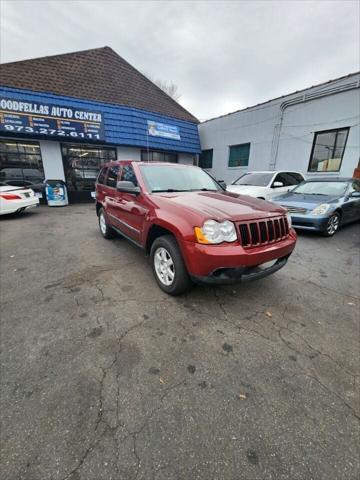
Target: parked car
[[265, 185], [16, 199], [192, 228], [25, 177], [323, 204]]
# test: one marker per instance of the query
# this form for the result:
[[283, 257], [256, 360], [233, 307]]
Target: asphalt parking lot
[[106, 377]]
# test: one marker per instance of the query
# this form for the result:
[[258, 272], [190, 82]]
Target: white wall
[[258, 125], [128, 153], [52, 160], [301, 122]]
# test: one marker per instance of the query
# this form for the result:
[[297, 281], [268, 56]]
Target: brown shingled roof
[[99, 74]]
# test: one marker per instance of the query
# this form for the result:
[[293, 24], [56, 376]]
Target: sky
[[223, 56]]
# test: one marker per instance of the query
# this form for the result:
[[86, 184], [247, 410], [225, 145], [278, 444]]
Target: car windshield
[[321, 188], [169, 178], [254, 179]]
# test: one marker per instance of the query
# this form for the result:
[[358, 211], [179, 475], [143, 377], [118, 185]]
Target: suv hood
[[218, 206], [247, 190], [304, 200]]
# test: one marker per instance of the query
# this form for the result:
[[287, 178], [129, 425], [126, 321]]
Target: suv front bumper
[[223, 276], [233, 263]]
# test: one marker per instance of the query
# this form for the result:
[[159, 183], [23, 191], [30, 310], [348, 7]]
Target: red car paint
[[136, 217]]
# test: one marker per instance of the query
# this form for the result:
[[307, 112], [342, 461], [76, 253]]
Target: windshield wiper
[[169, 190], [203, 190]]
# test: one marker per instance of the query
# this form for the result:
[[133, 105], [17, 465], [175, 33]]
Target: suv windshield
[[321, 188], [254, 179], [169, 178]]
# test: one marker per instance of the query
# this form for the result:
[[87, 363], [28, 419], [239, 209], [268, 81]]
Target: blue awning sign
[[156, 129], [17, 116]]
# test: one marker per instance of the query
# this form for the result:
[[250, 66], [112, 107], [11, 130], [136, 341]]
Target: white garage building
[[315, 131]]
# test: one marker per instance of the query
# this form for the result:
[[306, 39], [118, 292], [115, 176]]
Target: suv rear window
[[102, 175]]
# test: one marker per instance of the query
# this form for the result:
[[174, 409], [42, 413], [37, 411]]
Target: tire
[[165, 249], [105, 229], [332, 225]]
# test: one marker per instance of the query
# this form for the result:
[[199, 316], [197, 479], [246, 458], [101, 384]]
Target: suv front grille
[[292, 209], [262, 232]]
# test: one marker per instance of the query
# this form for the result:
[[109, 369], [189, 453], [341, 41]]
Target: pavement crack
[[308, 344], [329, 390]]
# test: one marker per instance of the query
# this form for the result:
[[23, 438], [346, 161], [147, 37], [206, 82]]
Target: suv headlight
[[215, 232], [321, 209]]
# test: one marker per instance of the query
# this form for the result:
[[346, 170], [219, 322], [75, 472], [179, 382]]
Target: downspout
[[306, 97]]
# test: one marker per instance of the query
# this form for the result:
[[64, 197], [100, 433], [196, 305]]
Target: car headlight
[[215, 232], [321, 209], [288, 217]]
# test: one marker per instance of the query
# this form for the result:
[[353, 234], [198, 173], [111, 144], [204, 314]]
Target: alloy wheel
[[102, 223], [164, 266], [333, 224]]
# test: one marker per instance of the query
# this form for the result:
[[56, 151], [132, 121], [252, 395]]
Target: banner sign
[[17, 116], [162, 130]]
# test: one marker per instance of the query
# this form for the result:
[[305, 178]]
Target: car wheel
[[106, 231], [168, 266], [332, 225]]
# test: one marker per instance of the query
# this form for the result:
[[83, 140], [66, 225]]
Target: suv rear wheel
[[105, 229], [168, 266]]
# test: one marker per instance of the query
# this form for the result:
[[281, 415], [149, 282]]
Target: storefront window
[[158, 156], [82, 164], [20, 163]]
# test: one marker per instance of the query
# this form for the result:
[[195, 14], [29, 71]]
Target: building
[[315, 131], [62, 116]]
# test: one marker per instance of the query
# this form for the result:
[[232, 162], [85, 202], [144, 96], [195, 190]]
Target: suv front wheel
[[105, 229], [168, 266]]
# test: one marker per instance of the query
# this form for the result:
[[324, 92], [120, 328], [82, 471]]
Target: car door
[[275, 191], [288, 179], [110, 193], [100, 189], [128, 209], [351, 205]]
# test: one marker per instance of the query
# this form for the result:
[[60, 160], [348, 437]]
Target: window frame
[[229, 153], [334, 148]]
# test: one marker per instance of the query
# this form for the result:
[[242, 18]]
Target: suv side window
[[112, 176], [281, 177], [294, 178], [102, 175], [128, 175]]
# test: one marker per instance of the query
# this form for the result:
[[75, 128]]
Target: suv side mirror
[[127, 187], [278, 184], [355, 194]]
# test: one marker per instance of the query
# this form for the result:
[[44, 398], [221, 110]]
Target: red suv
[[192, 228]]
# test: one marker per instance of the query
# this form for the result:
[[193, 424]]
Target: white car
[[16, 199], [265, 185]]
